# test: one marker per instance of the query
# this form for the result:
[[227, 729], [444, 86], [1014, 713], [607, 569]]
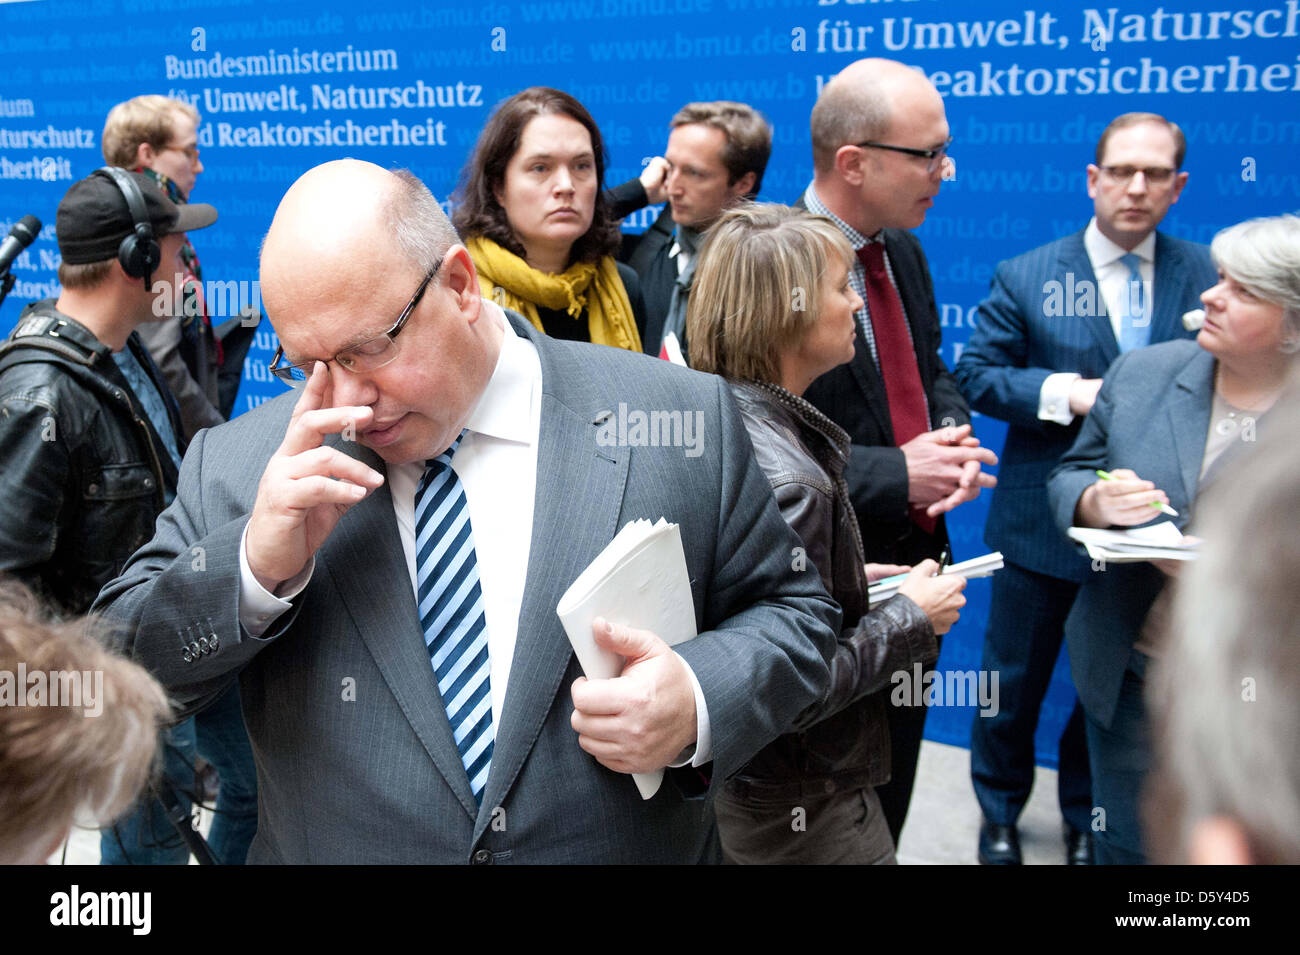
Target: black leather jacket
[[82, 471], [844, 740]]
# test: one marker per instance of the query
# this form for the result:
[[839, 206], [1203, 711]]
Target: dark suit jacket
[[1017, 345], [658, 275], [853, 396], [376, 777], [647, 254], [1152, 415]]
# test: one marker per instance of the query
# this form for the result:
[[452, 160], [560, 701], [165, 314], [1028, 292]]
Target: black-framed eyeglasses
[[935, 156], [1123, 175], [369, 355]]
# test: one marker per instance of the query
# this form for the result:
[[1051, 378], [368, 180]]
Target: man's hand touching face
[[306, 487]]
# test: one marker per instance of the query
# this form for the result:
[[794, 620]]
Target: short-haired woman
[[771, 310], [1166, 422]]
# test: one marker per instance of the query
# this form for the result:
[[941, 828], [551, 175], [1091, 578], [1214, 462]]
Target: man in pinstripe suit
[[1054, 320]]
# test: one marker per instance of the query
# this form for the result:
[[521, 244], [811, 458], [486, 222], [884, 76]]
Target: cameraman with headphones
[[90, 437]]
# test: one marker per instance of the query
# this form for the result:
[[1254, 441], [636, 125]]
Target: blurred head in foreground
[[78, 728]]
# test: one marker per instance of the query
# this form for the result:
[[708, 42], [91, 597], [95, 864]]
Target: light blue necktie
[[1134, 325], [450, 603]]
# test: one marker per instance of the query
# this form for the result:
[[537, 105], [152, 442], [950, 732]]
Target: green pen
[[1162, 508]]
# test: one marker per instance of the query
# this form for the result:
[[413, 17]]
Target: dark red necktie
[[908, 412]]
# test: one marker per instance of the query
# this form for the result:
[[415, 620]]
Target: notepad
[[1163, 541], [982, 566]]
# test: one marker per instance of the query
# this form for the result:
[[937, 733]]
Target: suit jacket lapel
[[1189, 421], [1172, 278], [578, 500], [368, 570], [1074, 261]]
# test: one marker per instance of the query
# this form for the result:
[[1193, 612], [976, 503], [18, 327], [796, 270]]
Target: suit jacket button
[[203, 645], [194, 649], [213, 641], [186, 655], [483, 857]]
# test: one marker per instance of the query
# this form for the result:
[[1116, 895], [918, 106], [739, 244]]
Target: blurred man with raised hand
[[717, 153]]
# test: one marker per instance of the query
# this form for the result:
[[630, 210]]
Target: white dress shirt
[[496, 462], [1112, 289]]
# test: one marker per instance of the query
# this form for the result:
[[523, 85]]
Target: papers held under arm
[[639, 580]]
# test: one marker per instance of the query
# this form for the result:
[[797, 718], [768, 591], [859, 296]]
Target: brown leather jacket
[[842, 742]]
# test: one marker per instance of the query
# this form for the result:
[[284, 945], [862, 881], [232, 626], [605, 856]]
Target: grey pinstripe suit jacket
[[378, 779]]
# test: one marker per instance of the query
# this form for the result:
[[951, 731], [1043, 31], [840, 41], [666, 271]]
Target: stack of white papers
[[639, 580], [1151, 542], [983, 566]]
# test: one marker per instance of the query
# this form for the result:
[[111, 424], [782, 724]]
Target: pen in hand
[[1161, 507]]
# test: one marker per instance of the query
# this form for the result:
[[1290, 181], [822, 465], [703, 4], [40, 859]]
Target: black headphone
[[139, 252]]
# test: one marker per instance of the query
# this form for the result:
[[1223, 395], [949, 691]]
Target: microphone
[[1192, 321], [23, 234]]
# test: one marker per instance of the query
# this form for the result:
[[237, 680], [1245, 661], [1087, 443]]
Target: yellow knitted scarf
[[512, 283]]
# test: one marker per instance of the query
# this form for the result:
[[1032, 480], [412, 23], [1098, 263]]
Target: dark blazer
[[379, 779], [1152, 415], [647, 254], [1016, 346], [658, 275], [853, 396]]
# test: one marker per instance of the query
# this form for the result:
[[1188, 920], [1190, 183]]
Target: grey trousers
[[846, 828]]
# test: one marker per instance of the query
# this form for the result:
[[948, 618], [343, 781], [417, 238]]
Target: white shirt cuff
[[1054, 397], [702, 751], [258, 607]]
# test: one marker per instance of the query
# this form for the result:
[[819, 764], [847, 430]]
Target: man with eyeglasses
[[880, 140], [157, 136], [1054, 320], [385, 547]]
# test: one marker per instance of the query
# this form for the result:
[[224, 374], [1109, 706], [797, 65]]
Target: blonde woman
[[771, 310]]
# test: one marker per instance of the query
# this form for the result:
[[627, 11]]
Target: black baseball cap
[[94, 217]]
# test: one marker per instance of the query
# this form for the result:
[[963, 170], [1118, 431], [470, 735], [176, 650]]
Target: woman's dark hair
[[477, 211]]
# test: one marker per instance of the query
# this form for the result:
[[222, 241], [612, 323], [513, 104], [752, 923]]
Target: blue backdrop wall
[[285, 84]]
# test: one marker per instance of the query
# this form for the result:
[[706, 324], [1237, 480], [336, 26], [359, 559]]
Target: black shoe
[[999, 845], [1078, 847]]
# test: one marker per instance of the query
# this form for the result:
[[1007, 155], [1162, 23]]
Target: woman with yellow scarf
[[537, 226]]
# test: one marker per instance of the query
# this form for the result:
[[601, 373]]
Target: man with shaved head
[[377, 557], [880, 141]]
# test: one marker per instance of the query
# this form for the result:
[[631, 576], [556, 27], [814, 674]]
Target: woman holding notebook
[[1166, 422], [771, 310]]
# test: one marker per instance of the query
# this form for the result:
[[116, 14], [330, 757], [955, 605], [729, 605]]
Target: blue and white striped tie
[[450, 603], [1134, 327]]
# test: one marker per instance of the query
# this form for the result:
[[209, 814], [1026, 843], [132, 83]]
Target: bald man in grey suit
[[293, 556]]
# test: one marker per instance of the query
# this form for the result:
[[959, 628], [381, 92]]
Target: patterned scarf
[[512, 283]]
